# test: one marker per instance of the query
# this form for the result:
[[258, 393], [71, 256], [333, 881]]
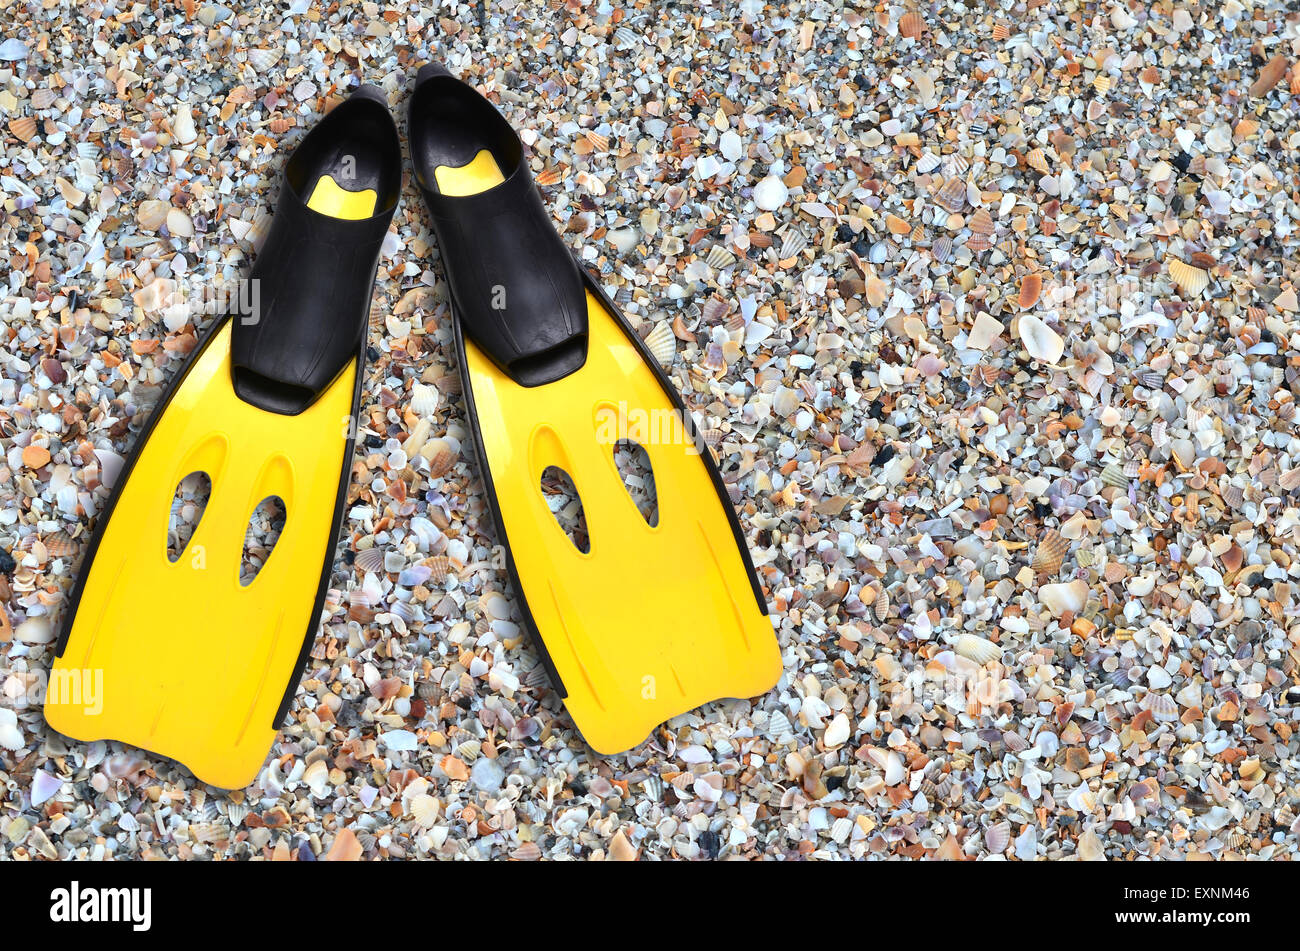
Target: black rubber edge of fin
[[327, 567]]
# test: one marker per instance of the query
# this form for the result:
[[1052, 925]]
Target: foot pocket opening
[[565, 504], [638, 474], [188, 504], [263, 531]]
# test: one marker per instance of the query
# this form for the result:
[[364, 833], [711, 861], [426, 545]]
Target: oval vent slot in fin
[[638, 474], [188, 503], [263, 531], [562, 499]]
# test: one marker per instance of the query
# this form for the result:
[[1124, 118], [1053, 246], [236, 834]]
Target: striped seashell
[[625, 37], [440, 567], [441, 461], [549, 176], [598, 142], [1014, 742], [60, 545], [1037, 160], [1031, 289], [1051, 552], [1190, 280], [24, 127], [1132, 468], [661, 343], [713, 437], [942, 250], [881, 607], [1159, 432], [1119, 677], [714, 359], [1000, 32], [528, 852], [281, 124], [1162, 707], [715, 309], [1114, 475], [654, 787], [719, 257], [928, 163], [981, 222], [470, 750], [1237, 841], [952, 195], [997, 837], [263, 59], [792, 244], [778, 725], [1102, 84], [977, 649], [956, 164], [1233, 496], [979, 242], [371, 559], [44, 98], [911, 26]]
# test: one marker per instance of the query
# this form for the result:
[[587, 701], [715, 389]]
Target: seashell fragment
[[952, 195], [661, 343], [371, 559], [1042, 342], [997, 837], [263, 59], [911, 26], [1114, 475], [1051, 552], [877, 291], [1191, 280], [1269, 76], [977, 649], [985, 330], [1031, 288], [1060, 598], [719, 257], [1037, 160], [183, 125], [24, 127], [880, 608], [897, 225], [770, 193]]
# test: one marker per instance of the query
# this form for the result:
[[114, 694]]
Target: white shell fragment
[[1042, 342]]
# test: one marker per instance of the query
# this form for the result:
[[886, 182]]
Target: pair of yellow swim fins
[[641, 620]]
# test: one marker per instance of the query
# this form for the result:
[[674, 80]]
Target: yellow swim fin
[[179, 656], [643, 618]]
